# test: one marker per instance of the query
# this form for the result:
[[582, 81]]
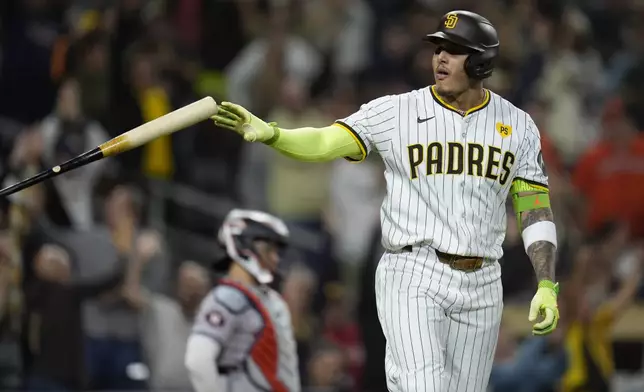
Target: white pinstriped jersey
[[448, 173]]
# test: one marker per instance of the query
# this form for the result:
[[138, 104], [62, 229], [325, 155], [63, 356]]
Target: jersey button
[[464, 134], [463, 215]]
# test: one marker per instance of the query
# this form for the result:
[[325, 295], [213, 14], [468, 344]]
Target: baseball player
[[453, 153], [242, 339]]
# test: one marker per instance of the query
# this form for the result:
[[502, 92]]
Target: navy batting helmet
[[474, 32], [238, 233]]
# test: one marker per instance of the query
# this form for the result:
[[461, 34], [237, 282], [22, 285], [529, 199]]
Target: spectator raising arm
[[623, 298], [148, 245]]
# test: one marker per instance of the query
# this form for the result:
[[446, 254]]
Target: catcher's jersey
[[253, 326], [448, 173]]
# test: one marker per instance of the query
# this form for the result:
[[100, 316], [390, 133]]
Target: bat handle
[[81, 160]]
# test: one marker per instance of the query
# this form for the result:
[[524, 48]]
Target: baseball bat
[[167, 124]]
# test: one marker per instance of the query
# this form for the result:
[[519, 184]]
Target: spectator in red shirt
[[610, 174]]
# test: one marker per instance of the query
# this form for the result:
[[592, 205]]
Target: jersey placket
[[460, 180], [469, 121], [460, 135], [465, 125]]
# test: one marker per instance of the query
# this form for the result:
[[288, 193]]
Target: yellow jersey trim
[[356, 137], [440, 101]]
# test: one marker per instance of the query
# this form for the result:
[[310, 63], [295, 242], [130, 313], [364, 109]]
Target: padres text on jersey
[[448, 172]]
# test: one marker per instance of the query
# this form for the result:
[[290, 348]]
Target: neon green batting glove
[[239, 119], [544, 304]]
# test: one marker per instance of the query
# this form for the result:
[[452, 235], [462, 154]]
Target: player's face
[[269, 254], [449, 68]]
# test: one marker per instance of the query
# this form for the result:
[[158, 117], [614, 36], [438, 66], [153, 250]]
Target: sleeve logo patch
[[215, 318]]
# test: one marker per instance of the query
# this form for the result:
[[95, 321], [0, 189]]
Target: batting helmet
[[474, 32], [238, 233]]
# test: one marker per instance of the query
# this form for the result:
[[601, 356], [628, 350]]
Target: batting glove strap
[[276, 134], [549, 285]]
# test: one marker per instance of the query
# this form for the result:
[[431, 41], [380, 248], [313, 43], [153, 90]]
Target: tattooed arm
[[540, 241], [541, 253], [531, 198]]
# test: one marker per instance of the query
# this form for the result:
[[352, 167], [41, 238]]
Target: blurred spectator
[[298, 289], [339, 328], [356, 197], [562, 194], [534, 365], [593, 311], [260, 68], [26, 152], [610, 174], [10, 303], [9, 130], [53, 330], [34, 51], [327, 370], [539, 110], [631, 89], [530, 67], [114, 351], [571, 82], [139, 93], [92, 73], [66, 134], [297, 191], [629, 54], [167, 322], [225, 25], [341, 31], [373, 339]]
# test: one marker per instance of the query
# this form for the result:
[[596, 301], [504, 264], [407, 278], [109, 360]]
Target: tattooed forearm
[[541, 253]]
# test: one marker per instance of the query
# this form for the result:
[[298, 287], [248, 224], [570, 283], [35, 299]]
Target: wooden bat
[[167, 124]]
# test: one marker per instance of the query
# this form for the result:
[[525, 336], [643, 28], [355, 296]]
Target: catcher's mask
[[238, 236]]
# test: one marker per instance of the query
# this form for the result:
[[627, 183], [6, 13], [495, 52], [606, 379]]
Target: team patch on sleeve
[[215, 319]]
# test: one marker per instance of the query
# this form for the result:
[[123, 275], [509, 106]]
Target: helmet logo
[[450, 21]]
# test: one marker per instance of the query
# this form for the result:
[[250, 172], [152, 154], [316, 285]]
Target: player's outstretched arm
[[532, 205], [304, 144]]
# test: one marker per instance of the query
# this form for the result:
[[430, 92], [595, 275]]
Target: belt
[[225, 370], [460, 263]]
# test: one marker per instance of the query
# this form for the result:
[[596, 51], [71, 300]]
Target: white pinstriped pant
[[441, 324]]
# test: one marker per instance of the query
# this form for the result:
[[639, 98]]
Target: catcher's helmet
[[238, 232], [472, 31]]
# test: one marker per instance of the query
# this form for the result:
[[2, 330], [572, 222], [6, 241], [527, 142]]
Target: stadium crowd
[[101, 269]]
